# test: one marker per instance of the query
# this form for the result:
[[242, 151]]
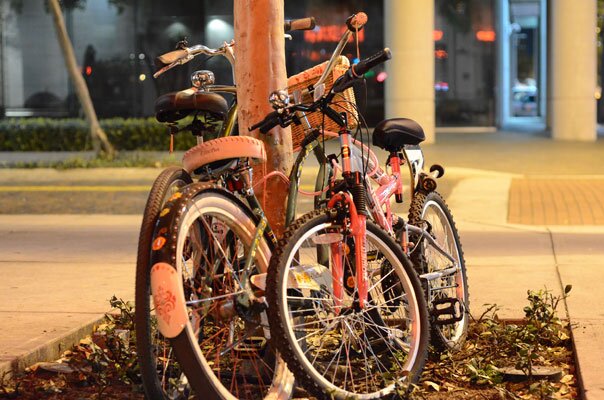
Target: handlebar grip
[[302, 24], [268, 123], [365, 65], [356, 22], [169, 58]]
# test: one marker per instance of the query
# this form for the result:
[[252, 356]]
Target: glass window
[[464, 54], [116, 42], [33, 71], [313, 47]]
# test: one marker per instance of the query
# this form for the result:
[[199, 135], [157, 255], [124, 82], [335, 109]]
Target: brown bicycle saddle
[[173, 106]]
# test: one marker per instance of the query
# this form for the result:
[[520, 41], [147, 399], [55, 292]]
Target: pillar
[[573, 69], [260, 69], [408, 28]]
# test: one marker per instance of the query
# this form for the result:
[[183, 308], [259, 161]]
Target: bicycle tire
[[432, 206], [297, 348], [206, 363], [147, 337]]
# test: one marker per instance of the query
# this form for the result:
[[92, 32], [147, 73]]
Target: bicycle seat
[[173, 106], [224, 148], [393, 134]]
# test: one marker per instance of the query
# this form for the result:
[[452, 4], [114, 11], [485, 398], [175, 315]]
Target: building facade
[[458, 64]]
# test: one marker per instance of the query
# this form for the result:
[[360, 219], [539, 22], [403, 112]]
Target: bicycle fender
[[166, 281], [168, 298]]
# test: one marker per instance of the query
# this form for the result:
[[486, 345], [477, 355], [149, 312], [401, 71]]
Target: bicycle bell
[[202, 79], [279, 99]]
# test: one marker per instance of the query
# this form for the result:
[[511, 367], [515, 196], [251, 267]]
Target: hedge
[[70, 134]]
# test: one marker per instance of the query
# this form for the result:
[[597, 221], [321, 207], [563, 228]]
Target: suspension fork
[[357, 210], [358, 230]]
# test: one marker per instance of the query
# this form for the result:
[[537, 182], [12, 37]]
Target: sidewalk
[[507, 251]]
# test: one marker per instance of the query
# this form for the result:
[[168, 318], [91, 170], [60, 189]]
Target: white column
[[408, 27], [573, 69]]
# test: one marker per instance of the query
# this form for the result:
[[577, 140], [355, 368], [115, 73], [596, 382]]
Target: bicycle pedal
[[446, 311], [250, 348]]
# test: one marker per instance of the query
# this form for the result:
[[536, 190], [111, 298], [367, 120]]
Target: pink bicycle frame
[[389, 184]]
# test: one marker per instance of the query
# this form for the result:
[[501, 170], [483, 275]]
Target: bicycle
[[340, 289], [161, 374], [322, 287], [429, 236], [224, 161]]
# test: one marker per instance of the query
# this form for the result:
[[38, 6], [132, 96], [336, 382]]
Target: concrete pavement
[[58, 271]]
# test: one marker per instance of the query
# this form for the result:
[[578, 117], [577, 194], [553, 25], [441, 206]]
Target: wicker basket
[[306, 78]]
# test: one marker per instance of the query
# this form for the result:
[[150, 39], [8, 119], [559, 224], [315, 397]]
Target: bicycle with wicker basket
[[345, 303], [199, 323]]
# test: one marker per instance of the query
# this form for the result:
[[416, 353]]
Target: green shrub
[[70, 134]]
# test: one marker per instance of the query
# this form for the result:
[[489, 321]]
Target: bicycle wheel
[[162, 378], [448, 292], [224, 344], [343, 351]]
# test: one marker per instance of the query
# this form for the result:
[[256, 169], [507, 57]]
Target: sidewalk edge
[[50, 350]]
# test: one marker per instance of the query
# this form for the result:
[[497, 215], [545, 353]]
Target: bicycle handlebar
[[356, 22], [286, 115], [171, 59], [183, 55], [269, 122], [358, 70], [302, 24], [365, 65]]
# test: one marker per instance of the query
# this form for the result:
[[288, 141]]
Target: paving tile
[[507, 285], [579, 248], [507, 247], [108, 238], [541, 201], [586, 298]]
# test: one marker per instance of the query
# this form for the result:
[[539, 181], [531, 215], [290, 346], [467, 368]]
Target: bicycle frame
[[389, 184]]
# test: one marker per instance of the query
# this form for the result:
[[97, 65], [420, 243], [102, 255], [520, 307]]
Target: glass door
[[523, 73]]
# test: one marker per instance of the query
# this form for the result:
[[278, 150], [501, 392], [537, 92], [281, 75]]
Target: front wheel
[[429, 211], [335, 348], [205, 237]]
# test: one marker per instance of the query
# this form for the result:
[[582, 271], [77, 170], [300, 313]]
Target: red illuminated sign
[[441, 54], [437, 35], [485, 36], [329, 33]]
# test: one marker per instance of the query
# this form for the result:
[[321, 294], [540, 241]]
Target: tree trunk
[[98, 136], [260, 69]]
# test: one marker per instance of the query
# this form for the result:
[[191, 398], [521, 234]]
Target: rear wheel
[[161, 375], [341, 350], [430, 212]]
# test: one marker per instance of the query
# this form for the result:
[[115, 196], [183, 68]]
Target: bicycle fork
[[355, 206]]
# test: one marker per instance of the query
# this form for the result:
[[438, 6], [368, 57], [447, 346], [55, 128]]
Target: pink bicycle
[[346, 305]]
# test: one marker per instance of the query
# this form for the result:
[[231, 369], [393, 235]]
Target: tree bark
[[98, 136], [259, 70]]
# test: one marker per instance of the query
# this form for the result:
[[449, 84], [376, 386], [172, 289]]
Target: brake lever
[[174, 64]]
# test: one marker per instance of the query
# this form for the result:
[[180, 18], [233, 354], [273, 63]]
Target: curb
[[50, 350]]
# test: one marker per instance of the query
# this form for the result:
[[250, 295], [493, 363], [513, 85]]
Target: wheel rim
[[362, 353], [442, 231], [231, 339]]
